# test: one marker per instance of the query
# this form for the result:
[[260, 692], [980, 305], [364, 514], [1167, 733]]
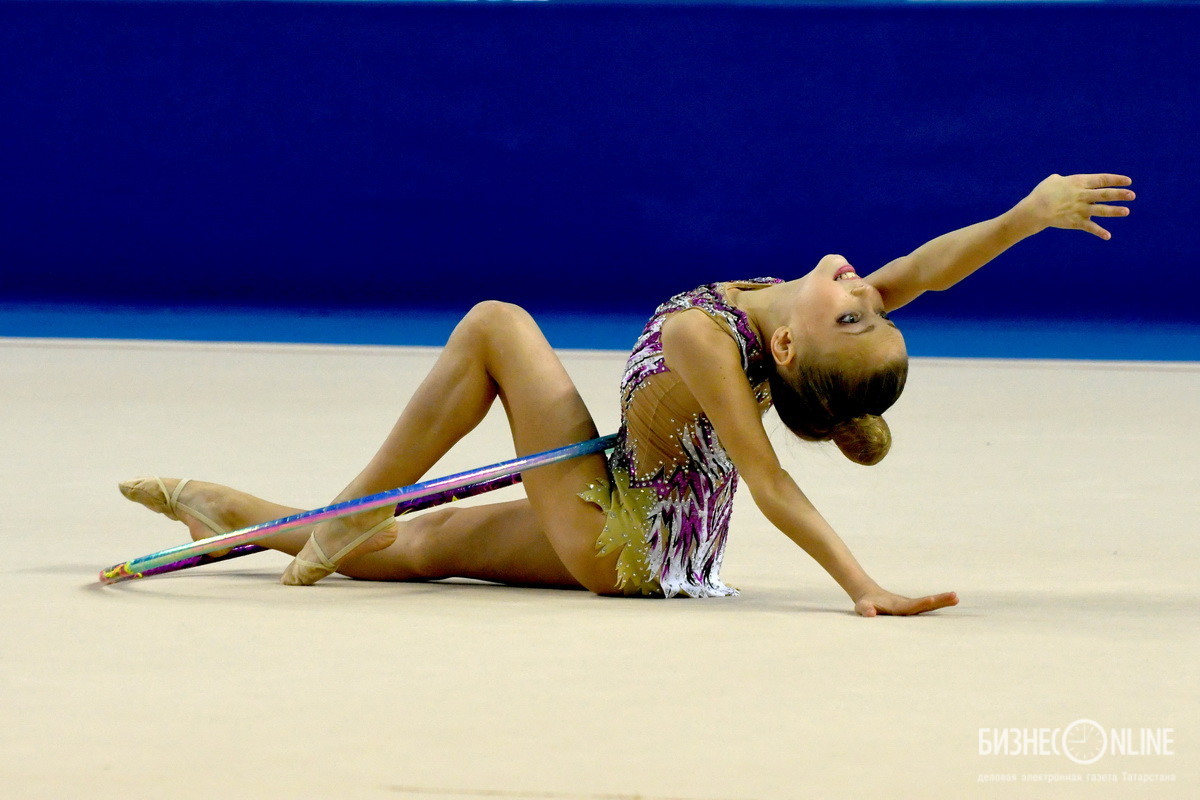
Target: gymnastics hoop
[[406, 499]]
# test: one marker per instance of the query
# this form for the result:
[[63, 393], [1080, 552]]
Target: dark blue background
[[582, 157]]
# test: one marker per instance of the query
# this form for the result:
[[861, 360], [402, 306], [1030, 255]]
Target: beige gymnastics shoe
[[305, 571], [153, 494]]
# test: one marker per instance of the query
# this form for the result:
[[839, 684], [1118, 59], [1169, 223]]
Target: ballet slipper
[[158, 499], [305, 572]]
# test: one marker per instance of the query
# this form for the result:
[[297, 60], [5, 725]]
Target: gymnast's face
[[835, 314]]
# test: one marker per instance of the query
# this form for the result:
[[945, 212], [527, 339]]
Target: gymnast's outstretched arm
[[1056, 202]]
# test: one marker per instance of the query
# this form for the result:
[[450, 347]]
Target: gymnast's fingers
[[1108, 195], [897, 605], [942, 600], [1095, 229], [1103, 179], [929, 603], [1108, 211]]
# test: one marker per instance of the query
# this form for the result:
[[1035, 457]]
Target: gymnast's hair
[[822, 402]]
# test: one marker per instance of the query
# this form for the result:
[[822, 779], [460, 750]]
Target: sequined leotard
[[672, 485]]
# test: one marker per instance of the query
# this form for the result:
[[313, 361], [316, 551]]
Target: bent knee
[[494, 315], [495, 325], [425, 540]]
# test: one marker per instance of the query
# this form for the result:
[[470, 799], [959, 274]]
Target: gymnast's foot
[[343, 537], [206, 508]]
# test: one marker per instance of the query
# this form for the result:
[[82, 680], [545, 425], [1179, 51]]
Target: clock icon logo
[[1084, 741]]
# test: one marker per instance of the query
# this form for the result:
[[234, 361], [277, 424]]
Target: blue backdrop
[[589, 157]]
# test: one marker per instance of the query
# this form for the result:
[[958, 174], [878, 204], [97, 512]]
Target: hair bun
[[864, 440]]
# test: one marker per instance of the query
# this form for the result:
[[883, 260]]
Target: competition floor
[[1059, 498]]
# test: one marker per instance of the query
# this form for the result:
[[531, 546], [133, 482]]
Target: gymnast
[[651, 519]]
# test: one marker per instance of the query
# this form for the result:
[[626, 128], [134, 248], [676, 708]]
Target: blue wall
[[582, 156]]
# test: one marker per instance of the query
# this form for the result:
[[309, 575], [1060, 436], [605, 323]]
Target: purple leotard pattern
[[675, 520]]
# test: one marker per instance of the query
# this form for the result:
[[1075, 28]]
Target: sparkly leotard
[[671, 491]]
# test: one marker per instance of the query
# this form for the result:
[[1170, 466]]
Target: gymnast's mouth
[[845, 273]]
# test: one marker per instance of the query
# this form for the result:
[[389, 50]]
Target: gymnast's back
[[672, 483]]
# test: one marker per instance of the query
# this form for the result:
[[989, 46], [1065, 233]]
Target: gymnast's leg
[[500, 542], [495, 351]]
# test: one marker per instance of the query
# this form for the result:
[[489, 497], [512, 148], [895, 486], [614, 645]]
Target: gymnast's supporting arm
[[709, 363], [1056, 202]]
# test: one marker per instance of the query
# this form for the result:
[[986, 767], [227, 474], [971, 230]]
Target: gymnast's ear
[[783, 346]]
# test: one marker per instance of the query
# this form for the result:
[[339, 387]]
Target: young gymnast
[[651, 519]]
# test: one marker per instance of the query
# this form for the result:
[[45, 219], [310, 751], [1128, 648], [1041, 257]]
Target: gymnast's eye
[[884, 314], [849, 319]]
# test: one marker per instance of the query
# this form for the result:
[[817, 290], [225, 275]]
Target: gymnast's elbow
[[773, 490]]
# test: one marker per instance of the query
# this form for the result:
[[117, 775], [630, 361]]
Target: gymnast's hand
[[880, 601], [1071, 201]]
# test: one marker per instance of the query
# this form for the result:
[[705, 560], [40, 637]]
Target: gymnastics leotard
[[670, 491]]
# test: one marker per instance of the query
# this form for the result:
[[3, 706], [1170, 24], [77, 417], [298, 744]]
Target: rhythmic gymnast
[[652, 519]]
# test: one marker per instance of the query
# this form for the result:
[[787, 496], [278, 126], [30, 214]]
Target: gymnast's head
[[839, 362]]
